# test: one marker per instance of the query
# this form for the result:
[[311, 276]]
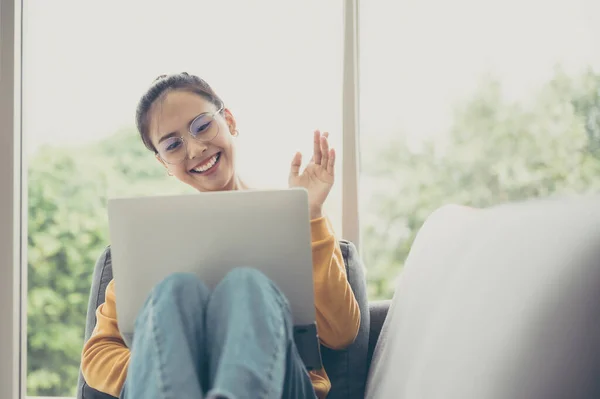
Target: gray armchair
[[347, 369]]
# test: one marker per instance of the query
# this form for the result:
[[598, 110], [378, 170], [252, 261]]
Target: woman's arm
[[338, 314], [105, 356]]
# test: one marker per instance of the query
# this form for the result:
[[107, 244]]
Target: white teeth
[[207, 165]]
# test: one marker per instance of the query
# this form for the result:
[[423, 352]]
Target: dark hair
[[161, 86]]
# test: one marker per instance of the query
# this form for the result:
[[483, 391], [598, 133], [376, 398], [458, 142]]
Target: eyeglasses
[[204, 128]]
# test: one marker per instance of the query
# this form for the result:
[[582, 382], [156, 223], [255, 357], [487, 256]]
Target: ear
[[230, 119], [158, 158], [163, 163]]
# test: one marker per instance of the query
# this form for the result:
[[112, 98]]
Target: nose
[[196, 148]]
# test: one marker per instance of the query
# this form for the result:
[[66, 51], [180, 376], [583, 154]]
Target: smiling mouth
[[208, 165]]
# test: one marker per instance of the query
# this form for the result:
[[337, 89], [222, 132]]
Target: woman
[[236, 341]]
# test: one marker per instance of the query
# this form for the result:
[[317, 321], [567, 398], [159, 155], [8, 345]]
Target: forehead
[[174, 111]]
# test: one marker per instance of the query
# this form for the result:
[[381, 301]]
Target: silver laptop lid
[[209, 234]]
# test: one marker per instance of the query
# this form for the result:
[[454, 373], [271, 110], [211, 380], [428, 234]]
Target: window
[[471, 102], [277, 65]]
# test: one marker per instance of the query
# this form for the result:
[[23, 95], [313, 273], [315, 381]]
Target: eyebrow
[[173, 134]]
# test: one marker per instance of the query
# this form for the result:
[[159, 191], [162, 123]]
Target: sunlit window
[[277, 65], [471, 102]]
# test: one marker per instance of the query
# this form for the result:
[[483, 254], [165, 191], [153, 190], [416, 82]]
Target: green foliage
[[496, 151], [66, 232], [68, 192]]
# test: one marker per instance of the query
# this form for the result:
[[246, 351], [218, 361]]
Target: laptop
[[209, 234]]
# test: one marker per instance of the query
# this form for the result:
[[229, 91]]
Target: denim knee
[[245, 279], [249, 284], [185, 288]]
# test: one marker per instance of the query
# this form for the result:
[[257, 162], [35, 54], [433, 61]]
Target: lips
[[207, 164]]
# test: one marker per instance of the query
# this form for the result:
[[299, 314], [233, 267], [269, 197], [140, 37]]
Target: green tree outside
[[496, 152], [68, 230]]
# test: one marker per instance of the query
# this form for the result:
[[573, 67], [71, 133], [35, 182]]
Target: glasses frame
[[183, 139]]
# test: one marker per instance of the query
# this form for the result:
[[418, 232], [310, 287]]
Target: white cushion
[[501, 303]]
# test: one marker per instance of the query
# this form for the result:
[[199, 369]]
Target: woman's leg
[[250, 341], [168, 347]]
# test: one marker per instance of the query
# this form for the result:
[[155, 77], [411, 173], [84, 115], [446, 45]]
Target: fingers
[[322, 154], [295, 167], [324, 150], [317, 148], [331, 163]]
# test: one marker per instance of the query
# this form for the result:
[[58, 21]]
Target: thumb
[[296, 162]]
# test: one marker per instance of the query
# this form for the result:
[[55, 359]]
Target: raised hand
[[318, 176]]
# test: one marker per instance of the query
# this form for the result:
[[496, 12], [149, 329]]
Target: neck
[[238, 184]]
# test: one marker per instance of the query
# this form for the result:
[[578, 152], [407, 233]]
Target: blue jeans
[[236, 342]]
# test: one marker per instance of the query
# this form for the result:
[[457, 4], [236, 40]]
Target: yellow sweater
[[105, 356]]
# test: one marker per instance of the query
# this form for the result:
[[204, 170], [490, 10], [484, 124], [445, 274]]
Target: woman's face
[[207, 166]]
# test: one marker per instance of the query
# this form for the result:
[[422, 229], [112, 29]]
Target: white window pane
[[472, 102], [277, 65]]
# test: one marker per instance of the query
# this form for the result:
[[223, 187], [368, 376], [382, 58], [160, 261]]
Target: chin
[[217, 182]]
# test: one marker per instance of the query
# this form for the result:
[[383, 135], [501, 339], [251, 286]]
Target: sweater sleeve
[[105, 356], [337, 311]]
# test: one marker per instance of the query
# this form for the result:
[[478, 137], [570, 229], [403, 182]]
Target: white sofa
[[502, 303]]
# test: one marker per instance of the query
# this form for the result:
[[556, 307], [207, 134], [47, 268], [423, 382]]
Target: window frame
[[13, 178], [350, 125], [12, 304]]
